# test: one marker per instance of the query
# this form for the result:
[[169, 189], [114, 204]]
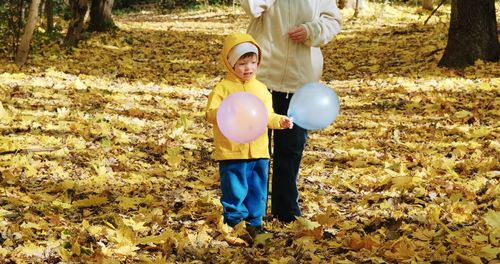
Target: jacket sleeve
[[322, 29], [255, 8], [273, 119], [214, 100]]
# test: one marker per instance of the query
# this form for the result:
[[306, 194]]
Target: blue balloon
[[314, 106]]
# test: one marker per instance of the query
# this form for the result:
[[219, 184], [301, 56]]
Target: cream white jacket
[[287, 65]]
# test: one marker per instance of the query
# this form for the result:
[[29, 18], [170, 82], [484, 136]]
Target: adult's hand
[[298, 34]]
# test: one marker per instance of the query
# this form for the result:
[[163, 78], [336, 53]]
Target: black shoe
[[256, 230], [286, 219]]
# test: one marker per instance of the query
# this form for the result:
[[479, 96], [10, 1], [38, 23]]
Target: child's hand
[[286, 122]]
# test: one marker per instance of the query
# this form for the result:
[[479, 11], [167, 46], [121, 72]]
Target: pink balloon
[[242, 117]]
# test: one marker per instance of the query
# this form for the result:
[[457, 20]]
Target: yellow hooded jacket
[[224, 148]]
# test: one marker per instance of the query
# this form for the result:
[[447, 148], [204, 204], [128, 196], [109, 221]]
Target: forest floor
[[105, 152]]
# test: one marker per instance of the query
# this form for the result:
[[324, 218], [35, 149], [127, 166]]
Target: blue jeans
[[244, 190], [289, 145]]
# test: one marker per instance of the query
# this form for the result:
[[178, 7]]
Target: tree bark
[[49, 13], [341, 4], [78, 10], [24, 45], [100, 16], [356, 9], [472, 34]]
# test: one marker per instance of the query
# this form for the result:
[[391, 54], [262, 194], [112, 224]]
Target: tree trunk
[[472, 34], [356, 9], [14, 25], [341, 4], [49, 13], [78, 10], [24, 45], [100, 16], [427, 5]]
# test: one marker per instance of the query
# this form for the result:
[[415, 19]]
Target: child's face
[[245, 67]]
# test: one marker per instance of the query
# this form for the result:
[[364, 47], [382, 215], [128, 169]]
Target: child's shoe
[[256, 230]]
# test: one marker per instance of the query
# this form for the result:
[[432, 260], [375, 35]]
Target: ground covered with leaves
[[105, 153]]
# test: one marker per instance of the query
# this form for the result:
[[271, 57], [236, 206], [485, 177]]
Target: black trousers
[[288, 146]]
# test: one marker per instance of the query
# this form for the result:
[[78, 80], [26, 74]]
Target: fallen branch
[[25, 151], [433, 52], [434, 11]]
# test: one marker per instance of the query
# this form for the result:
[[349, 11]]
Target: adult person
[[290, 33]]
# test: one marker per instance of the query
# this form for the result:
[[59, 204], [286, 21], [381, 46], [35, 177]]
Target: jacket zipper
[[287, 48]]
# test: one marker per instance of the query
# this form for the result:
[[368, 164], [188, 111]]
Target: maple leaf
[[467, 259], [31, 249], [128, 202], [233, 235], [262, 239], [488, 252], [402, 182], [492, 218], [424, 234], [92, 200], [495, 237], [3, 251], [329, 218], [307, 224], [306, 227], [357, 242], [92, 229], [306, 243], [402, 249], [166, 235], [136, 226], [126, 249], [173, 157], [4, 115]]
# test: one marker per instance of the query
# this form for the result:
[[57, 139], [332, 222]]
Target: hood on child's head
[[233, 40], [239, 50]]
